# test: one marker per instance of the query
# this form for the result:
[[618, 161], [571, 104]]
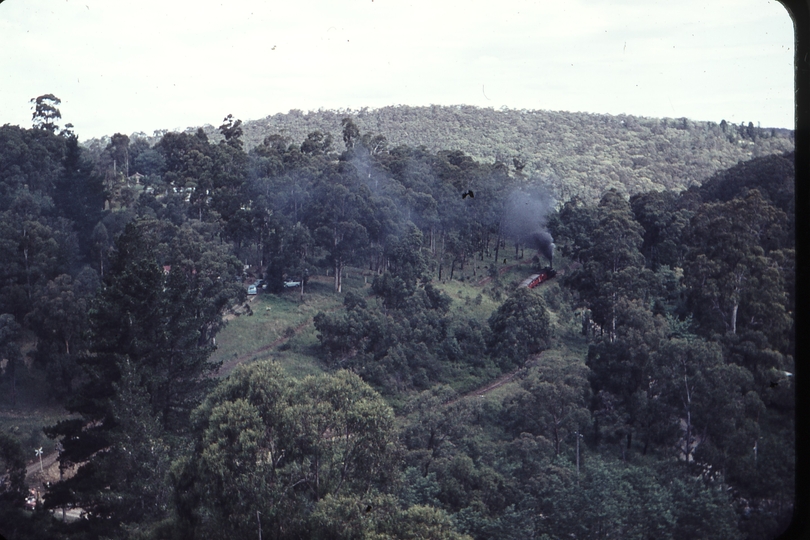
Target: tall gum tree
[[46, 112], [520, 327], [729, 268], [278, 446]]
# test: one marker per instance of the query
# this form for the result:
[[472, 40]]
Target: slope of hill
[[578, 154]]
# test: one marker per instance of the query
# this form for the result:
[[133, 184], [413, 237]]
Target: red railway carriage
[[534, 280]]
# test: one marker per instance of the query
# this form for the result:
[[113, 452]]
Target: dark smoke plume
[[525, 218]]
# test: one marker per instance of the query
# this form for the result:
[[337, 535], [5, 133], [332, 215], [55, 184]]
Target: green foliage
[[350, 132], [552, 401], [79, 193], [434, 420], [12, 467], [400, 342], [286, 448], [232, 131], [687, 301], [618, 363], [378, 517], [585, 154], [17, 523], [59, 320], [146, 367], [127, 481], [772, 176], [729, 275], [664, 225], [46, 112], [10, 352], [613, 267], [60, 315], [609, 499], [30, 251], [520, 327]]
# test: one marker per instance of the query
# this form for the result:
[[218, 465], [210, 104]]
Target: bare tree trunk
[[734, 317], [556, 440], [688, 406], [443, 244], [27, 274], [13, 365], [612, 334], [338, 276], [317, 478]]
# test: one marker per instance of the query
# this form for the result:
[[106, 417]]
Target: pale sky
[[124, 66]]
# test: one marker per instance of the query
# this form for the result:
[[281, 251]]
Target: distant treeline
[[581, 154]]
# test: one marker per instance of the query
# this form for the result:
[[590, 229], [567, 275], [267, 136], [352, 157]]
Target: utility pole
[[260, 524]]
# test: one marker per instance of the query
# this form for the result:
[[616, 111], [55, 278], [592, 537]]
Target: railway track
[[485, 389]]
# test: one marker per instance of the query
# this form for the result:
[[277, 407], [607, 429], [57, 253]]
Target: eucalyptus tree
[[520, 328], [552, 400], [46, 112], [338, 216], [285, 451], [612, 267], [730, 277], [10, 351]]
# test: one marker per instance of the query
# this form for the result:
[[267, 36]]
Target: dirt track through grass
[[229, 366]]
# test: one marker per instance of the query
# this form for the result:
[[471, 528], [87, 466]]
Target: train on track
[[536, 279]]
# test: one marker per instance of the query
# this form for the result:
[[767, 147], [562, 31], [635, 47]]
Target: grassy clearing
[[497, 395], [298, 355], [274, 316], [466, 379], [469, 301]]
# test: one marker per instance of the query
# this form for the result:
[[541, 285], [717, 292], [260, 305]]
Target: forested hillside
[[581, 154], [644, 391]]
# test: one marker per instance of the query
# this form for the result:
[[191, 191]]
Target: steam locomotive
[[534, 280]]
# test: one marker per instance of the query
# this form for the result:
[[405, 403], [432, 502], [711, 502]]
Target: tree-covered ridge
[[651, 389], [583, 154]]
